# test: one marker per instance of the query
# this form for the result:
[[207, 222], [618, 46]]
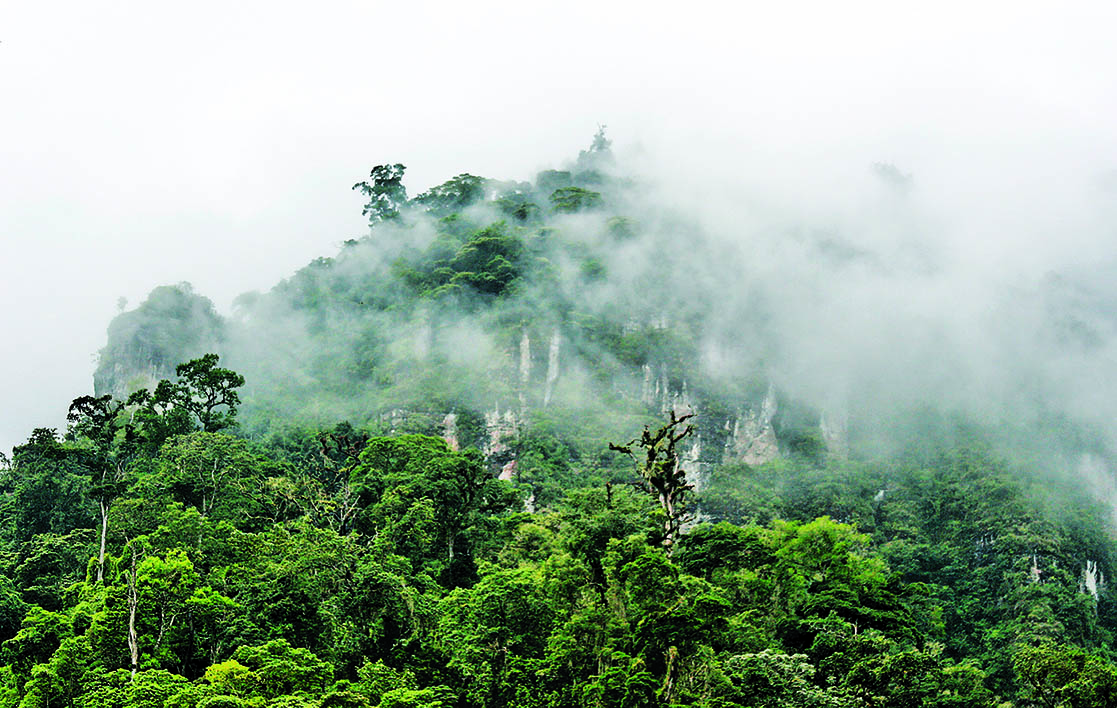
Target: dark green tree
[[569, 200], [208, 392], [385, 191], [453, 195], [425, 497], [112, 444], [47, 489], [204, 392]]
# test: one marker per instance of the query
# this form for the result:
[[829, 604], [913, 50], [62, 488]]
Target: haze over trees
[[413, 474]]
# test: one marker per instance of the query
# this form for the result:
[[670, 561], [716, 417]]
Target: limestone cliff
[[144, 345], [753, 438]]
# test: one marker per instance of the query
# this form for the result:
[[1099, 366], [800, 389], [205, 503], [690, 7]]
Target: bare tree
[[661, 472]]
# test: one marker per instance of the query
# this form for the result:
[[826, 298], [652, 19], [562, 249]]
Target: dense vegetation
[[363, 530]]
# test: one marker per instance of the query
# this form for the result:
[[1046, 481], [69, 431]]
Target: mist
[[882, 300], [147, 148]]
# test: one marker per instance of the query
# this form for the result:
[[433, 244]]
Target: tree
[[222, 476], [1061, 676], [48, 488], [454, 194], [568, 200], [496, 634], [421, 497], [157, 417], [99, 420], [775, 679], [282, 669], [150, 689], [385, 191], [203, 391], [204, 388], [662, 472]]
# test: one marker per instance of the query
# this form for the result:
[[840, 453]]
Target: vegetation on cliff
[[400, 478]]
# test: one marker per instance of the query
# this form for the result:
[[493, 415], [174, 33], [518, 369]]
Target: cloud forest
[[586, 441]]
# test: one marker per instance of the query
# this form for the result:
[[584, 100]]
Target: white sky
[[145, 143]]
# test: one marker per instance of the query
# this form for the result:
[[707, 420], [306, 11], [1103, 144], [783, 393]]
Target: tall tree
[[98, 421], [47, 488], [662, 473], [204, 392], [204, 389], [385, 191], [424, 496]]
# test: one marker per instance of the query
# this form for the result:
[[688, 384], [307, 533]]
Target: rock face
[[120, 380], [525, 370], [552, 366], [697, 472], [144, 345], [1093, 580], [834, 426], [752, 439], [500, 428], [175, 325], [1034, 573], [656, 392], [450, 431]]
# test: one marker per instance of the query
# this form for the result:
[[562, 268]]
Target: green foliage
[[1061, 676], [453, 195], [487, 263], [773, 680], [569, 200], [151, 689], [204, 388], [47, 488], [279, 669], [385, 191], [423, 499], [219, 475], [266, 554]]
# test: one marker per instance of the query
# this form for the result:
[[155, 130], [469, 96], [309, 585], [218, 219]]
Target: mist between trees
[[875, 467]]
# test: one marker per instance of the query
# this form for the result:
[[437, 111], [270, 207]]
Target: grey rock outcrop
[[752, 439]]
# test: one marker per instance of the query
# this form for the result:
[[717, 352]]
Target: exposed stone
[[696, 472], [552, 366], [1093, 580], [393, 418], [450, 431], [834, 426], [656, 393], [499, 429], [646, 392], [661, 392], [681, 404], [127, 381], [525, 369], [753, 440]]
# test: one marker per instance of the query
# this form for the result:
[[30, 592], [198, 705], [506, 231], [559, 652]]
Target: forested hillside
[[559, 443]]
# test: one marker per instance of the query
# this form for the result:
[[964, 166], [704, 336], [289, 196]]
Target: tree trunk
[[104, 534], [667, 693], [133, 603]]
